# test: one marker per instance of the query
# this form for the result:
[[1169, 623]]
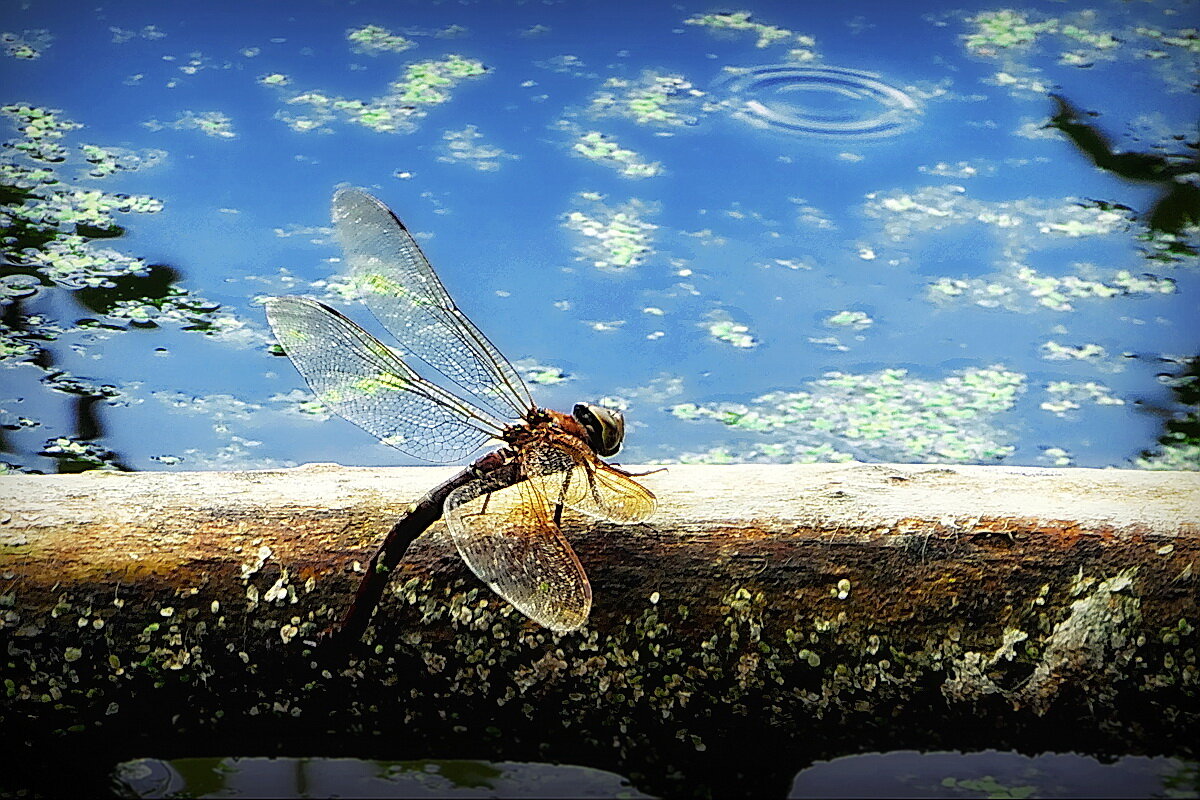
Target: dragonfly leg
[[558, 507]]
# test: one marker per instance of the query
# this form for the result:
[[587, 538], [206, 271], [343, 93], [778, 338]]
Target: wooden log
[[766, 616]]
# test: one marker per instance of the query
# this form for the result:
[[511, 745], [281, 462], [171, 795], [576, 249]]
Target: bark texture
[[766, 616]]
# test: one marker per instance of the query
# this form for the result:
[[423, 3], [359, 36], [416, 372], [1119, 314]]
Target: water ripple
[[819, 101]]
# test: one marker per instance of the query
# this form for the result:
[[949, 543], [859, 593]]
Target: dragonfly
[[504, 511]]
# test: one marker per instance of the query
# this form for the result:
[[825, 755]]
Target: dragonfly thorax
[[601, 429]]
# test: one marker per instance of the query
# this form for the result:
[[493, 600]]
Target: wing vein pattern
[[364, 381], [395, 280], [567, 475], [506, 534]]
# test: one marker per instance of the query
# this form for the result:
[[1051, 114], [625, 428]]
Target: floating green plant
[[654, 99], [40, 129], [425, 83], [1077, 40], [989, 787], [1058, 457], [1020, 287], [742, 21], [1069, 396], [210, 123], [723, 328], [938, 207], [1186, 39], [1005, 29], [374, 39], [542, 374], [858, 320], [602, 149], [615, 238], [105, 161], [26, 45], [888, 414], [466, 147], [1054, 351]]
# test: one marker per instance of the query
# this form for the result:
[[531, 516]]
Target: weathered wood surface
[[821, 609]]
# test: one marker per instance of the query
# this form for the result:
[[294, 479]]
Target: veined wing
[[506, 534], [362, 380], [397, 283], [573, 476]]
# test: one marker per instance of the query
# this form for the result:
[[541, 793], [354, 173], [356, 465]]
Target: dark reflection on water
[[898, 774], [1178, 205], [995, 774], [41, 303], [351, 777], [1181, 423]]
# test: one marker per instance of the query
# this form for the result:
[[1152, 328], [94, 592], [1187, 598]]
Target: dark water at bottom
[[897, 774]]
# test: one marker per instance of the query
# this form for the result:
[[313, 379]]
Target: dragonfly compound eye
[[605, 427]]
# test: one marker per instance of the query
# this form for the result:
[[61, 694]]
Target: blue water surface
[[783, 232]]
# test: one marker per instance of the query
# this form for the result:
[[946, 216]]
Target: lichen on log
[[815, 610]]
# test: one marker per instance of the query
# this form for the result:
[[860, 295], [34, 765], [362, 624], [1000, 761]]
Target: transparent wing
[[508, 538], [362, 380], [397, 283], [573, 476]]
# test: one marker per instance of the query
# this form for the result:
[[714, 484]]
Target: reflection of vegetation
[[1184, 781], [308, 777], [1178, 207], [1179, 445], [461, 774], [50, 250], [989, 787], [181, 777]]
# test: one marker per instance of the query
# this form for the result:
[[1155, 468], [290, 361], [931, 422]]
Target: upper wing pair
[[368, 383]]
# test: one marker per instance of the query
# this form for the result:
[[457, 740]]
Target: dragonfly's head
[[605, 427]]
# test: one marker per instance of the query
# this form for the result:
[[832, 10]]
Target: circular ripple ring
[[820, 101]]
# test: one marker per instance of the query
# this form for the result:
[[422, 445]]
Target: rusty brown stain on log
[[835, 599]]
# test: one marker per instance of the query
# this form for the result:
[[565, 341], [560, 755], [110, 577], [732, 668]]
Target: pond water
[[897, 774], [917, 232], [947, 232]]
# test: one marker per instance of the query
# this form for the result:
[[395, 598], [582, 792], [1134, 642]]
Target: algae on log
[[770, 615]]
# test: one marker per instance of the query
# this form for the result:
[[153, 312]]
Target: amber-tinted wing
[[507, 536], [571, 474], [364, 381], [395, 280]]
